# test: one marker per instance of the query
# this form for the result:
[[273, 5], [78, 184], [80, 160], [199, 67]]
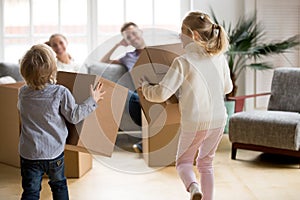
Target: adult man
[[132, 35]]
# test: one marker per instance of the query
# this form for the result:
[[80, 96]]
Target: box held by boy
[[97, 133]]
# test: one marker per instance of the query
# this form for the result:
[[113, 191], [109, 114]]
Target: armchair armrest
[[240, 100]]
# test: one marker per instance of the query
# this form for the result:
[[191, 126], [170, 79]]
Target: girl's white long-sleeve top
[[202, 82]]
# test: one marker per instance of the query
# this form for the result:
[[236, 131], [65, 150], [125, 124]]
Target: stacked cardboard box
[[9, 123], [94, 135], [77, 163]]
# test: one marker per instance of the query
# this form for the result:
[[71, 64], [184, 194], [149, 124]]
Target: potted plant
[[246, 47], [246, 50]]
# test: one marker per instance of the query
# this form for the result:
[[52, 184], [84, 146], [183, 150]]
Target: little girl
[[202, 77], [44, 107]]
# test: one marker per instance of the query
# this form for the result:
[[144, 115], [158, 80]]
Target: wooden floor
[[253, 176]]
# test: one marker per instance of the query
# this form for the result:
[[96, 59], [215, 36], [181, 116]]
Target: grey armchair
[[277, 129]]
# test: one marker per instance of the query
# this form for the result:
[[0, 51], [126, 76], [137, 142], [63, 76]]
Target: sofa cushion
[[7, 80], [114, 72], [285, 90], [266, 128], [10, 69]]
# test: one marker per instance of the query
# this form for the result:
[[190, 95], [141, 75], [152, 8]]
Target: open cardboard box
[[101, 126], [98, 132], [160, 121]]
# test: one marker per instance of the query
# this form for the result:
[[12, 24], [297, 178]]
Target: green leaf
[[260, 66], [246, 44], [276, 48]]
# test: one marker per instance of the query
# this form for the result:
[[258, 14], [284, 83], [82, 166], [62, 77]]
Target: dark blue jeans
[[135, 110], [32, 172], [135, 107]]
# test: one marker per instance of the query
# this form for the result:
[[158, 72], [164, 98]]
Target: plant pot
[[230, 105]]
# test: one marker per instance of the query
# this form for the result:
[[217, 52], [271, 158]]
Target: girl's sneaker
[[196, 196], [195, 192]]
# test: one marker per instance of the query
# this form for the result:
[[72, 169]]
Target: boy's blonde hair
[[38, 66], [212, 36]]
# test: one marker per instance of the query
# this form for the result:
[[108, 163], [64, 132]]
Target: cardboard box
[[154, 62], [9, 123], [77, 163], [160, 121], [160, 137], [98, 132]]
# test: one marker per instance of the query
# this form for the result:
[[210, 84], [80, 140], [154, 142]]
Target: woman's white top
[[71, 67]]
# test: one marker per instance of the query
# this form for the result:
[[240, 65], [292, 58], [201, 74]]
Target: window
[[158, 28], [37, 19], [86, 23]]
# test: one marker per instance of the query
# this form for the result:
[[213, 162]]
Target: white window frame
[[1, 30], [92, 33]]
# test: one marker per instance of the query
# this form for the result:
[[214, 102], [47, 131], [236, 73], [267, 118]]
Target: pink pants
[[206, 142]]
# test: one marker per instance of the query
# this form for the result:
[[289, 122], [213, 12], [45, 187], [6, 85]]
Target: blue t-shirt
[[130, 59]]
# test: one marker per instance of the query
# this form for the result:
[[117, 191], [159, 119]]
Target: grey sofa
[[118, 74], [276, 130], [113, 72]]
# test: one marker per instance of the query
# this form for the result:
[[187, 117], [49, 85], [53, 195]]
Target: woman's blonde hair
[[56, 35], [38, 66], [211, 36]]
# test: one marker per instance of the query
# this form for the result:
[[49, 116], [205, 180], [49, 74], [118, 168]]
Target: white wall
[[1, 31], [228, 10]]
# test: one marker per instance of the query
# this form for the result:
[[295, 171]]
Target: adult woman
[[65, 62]]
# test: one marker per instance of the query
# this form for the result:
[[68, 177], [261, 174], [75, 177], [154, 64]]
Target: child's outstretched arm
[[73, 112], [167, 86], [97, 92]]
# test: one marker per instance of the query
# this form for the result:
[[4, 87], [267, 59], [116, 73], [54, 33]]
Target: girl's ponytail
[[218, 41], [212, 37]]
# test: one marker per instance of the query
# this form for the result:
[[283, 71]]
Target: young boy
[[44, 107]]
